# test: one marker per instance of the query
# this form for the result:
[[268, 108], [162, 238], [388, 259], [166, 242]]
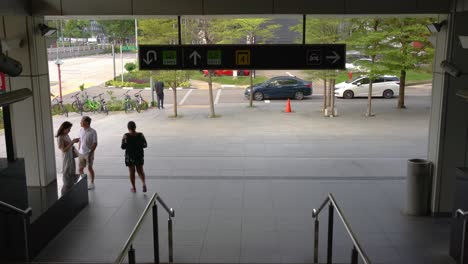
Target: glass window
[[391, 79], [289, 82], [379, 80], [363, 81]]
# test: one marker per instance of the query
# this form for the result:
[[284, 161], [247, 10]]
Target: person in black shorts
[[134, 142]]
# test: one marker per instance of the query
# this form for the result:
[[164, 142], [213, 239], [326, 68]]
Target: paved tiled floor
[[243, 186], [252, 221]]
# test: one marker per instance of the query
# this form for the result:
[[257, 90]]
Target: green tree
[[325, 31], [118, 30], [173, 79], [410, 47], [369, 36], [250, 31], [247, 30], [157, 31], [76, 29]]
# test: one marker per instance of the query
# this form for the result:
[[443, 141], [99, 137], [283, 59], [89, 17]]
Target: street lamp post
[[59, 62]]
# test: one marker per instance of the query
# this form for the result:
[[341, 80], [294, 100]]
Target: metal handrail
[[28, 210], [26, 214], [357, 249], [128, 246], [464, 214]]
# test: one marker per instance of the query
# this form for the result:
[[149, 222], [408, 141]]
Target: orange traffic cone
[[288, 107]]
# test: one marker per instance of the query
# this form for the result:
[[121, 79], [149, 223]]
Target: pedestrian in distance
[[134, 142], [65, 144], [160, 94], [87, 146]]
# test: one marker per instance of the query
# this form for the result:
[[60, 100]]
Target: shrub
[[115, 105], [120, 84], [185, 84], [130, 66]]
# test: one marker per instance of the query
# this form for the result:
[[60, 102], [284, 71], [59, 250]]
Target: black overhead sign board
[[262, 57]]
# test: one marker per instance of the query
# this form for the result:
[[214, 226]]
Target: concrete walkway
[[244, 185]]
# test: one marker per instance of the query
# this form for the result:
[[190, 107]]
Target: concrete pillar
[[448, 129], [31, 119]]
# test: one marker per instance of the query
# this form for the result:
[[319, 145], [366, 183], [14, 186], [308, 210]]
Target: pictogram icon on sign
[[334, 58], [213, 57], [148, 58], [195, 56], [243, 57], [314, 57], [169, 57]]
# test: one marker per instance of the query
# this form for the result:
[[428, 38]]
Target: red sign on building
[[2, 82]]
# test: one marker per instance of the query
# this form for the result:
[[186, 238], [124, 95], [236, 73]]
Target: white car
[[386, 86]]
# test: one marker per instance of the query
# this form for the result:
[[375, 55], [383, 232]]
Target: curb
[[145, 88], [232, 86], [418, 83]]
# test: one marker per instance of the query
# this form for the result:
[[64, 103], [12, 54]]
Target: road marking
[[185, 97], [288, 73], [267, 101], [218, 94]]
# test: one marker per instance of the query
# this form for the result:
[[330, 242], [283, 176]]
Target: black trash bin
[[418, 187]]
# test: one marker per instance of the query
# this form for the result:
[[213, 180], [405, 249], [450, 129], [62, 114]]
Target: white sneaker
[[90, 186]]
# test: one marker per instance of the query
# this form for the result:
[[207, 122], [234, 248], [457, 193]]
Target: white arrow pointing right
[[335, 57]]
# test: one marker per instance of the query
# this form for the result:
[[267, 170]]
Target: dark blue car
[[281, 87]]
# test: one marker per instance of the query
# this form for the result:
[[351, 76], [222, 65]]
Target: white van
[[386, 86]]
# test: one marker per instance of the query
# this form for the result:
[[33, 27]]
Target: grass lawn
[[411, 76], [241, 80]]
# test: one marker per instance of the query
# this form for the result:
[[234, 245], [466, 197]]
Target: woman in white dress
[[65, 144]]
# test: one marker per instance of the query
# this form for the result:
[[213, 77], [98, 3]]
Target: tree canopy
[[76, 29], [118, 30]]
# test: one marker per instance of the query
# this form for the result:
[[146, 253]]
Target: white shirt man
[[87, 146]]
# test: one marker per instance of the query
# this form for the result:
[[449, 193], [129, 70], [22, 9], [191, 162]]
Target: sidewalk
[[251, 221], [243, 186]]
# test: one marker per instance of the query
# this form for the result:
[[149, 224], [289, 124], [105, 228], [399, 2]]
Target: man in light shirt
[[87, 146]]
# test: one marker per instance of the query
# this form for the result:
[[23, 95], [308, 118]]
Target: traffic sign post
[[262, 57]]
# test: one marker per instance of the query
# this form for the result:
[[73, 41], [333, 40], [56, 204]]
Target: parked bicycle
[[58, 107], [128, 102], [91, 104], [77, 105], [140, 103], [103, 104]]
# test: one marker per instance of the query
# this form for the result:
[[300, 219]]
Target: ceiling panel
[[309, 7], [217, 7], [96, 7], [164, 7], [47, 7], [14, 7], [381, 7]]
